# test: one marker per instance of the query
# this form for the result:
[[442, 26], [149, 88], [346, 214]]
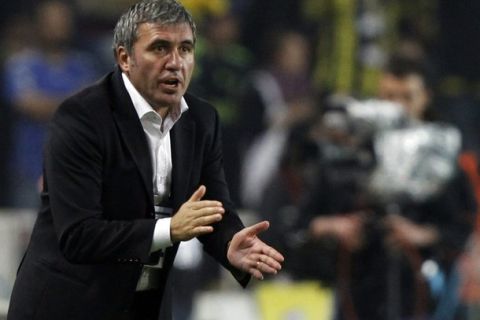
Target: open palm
[[250, 254]]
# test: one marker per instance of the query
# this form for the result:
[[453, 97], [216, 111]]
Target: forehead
[[408, 82], [149, 31]]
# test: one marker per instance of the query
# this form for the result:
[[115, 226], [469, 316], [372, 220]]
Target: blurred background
[[352, 125]]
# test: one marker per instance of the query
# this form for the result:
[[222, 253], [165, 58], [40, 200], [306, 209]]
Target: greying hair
[[163, 12]]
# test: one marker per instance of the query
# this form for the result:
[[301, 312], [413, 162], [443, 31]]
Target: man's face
[[408, 91], [161, 63]]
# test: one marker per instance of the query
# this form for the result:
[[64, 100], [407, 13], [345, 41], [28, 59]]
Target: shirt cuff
[[161, 235]]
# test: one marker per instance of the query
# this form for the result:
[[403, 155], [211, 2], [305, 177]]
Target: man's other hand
[[250, 254]]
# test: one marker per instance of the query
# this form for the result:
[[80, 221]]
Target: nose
[[174, 61]]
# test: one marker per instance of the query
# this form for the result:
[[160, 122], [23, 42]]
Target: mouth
[[171, 83]]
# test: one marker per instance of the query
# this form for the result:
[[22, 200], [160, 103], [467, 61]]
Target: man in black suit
[[129, 165]]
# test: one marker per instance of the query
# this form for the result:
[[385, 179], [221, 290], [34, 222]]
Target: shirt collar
[[142, 107]]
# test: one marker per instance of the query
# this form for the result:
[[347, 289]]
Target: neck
[[162, 111]]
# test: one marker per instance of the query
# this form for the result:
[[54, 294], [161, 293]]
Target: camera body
[[411, 160]]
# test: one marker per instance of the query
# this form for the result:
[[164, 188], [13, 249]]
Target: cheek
[[189, 67]]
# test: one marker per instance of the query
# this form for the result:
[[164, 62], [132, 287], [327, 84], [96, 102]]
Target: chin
[[169, 101], [168, 95]]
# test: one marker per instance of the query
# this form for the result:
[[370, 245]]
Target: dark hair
[[401, 67], [164, 12]]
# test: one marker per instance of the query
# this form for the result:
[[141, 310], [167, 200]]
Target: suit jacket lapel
[[182, 139], [132, 132]]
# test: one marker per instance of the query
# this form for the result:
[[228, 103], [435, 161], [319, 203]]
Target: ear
[[123, 59]]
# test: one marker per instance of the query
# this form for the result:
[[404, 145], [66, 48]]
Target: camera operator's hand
[[347, 228], [403, 231], [194, 218]]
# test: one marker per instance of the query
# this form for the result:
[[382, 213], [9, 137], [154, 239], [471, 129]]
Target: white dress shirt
[[157, 131]]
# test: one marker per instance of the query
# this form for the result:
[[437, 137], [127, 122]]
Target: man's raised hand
[[195, 217]]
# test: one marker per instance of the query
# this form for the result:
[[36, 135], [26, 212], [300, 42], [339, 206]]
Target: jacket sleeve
[[213, 177]]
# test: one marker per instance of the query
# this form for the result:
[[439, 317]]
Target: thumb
[[257, 228], [198, 194]]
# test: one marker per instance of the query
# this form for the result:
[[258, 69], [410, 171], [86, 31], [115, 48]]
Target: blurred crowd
[[351, 125]]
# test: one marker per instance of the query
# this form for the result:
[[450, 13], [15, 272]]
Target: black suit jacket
[[95, 227]]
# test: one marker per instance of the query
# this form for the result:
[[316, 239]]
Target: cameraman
[[382, 252]]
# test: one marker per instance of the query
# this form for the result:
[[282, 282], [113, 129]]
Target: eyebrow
[[169, 43], [188, 42]]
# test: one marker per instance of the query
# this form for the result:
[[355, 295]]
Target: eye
[[159, 48], [186, 48]]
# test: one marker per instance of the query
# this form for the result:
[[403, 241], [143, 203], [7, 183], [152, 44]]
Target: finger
[[257, 228], [270, 262], [198, 231], [199, 217], [198, 194], [270, 252], [206, 220], [197, 205], [264, 264], [256, 273], [265, 268], [253, 263]]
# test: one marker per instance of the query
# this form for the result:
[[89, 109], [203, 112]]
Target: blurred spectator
[[388, 254], [96, 20], [279, 99], [36, 79], [221, 72], [261, 17]]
